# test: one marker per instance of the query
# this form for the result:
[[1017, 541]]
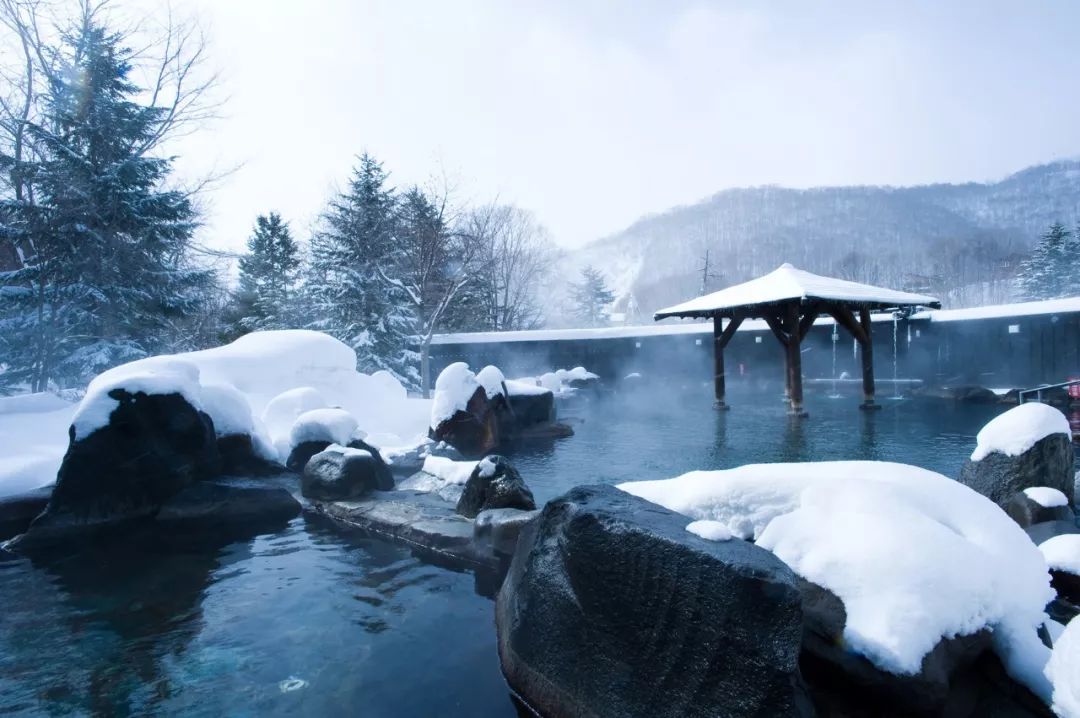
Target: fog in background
[[592, 114]]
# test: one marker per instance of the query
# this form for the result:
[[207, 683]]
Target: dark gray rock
[[494, 484], [239, 458], [302, 453], [532, 409], [473, 431], [409, 462], [999, 477], [1038, 533], [336, 475], [18, 510], [840, 678], [230, 502], [1027, 512], [153, 447], [611, 608], [418, 519], [968, 393], [498, 529]]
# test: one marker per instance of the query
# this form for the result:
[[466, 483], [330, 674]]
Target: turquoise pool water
[[313, 620]]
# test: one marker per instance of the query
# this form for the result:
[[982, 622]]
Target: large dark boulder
[[231, 503], [842, 680], [530, 405], [611, 608], [344, 475], [1027, 512], [494, 484], [239, 457], [18, 510], [302, 453], [999, 476], [154, 446], [474, 431]]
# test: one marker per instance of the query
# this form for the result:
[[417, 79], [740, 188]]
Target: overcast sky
[[592, 114]]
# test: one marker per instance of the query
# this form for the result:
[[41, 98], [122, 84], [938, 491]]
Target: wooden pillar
[[720, 340], [718, 364], [867, 342], [794, 361]]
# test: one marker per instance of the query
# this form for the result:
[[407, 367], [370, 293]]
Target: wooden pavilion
[[790, 300]]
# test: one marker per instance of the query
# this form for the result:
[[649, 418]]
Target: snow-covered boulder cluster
[[243, 408], [476, 413]]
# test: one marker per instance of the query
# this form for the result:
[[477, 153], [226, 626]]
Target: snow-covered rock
[[711, 530], [1028, 446], [282, 411], [494, 484], [1046, 497], [1062, 553], [914, 556], [491, 378], [1063, 672], [1019, 429], [332, 425], [454, 388]]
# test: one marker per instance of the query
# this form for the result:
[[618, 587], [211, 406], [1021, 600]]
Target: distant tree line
[[98, 259]]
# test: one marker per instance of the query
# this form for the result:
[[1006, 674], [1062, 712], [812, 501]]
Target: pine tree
[[1053, 269], [109, 277], [268, 277], [352, 290], [591, 298]]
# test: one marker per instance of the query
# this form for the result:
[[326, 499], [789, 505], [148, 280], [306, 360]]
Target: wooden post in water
[[720, 340], [867, 360], [794, 360], [719, 386]]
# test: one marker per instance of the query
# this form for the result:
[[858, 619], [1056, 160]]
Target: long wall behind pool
[[1004, 346]]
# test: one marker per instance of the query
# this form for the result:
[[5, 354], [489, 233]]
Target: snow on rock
[[228, 408], [334, 425], [1046, 497], [491, 378], [915, 556], [283, 410], [711, 530], [1063, 672], [578, 373], [450, 471], [1018, 429], [453, 389], [1062, 553], [153, 376], [524, 387], [486, 468]]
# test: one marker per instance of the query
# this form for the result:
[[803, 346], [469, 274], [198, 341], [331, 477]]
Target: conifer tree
[[109, 276], [1053, 269], [352, 288], [268, 277], [591, 298]]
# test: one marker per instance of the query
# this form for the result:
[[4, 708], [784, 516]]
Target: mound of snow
[[915, 556], [228, 408], [1062, 553], [491, 378], [284, 409], [578, 373], [453, 389], [1046, 496], [334, 425], [711, 530], [1063, 672], [448, 470], [38, 403], [556, 381], [524, 387], [1018, 429]]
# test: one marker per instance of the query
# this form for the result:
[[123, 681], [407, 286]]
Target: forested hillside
[[961, 242]]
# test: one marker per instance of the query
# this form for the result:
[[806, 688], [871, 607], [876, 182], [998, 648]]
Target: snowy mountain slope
[[931, 238]]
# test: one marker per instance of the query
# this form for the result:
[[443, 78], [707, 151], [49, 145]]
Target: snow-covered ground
[[914, 555], [33, 439]]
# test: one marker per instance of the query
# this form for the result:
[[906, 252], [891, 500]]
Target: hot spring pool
[[318, 621]]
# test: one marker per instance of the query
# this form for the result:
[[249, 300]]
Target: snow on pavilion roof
[[787, 283]]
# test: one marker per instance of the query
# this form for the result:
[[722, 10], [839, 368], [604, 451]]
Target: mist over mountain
[[961, 242]]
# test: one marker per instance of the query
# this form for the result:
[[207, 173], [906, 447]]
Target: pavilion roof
[[787, 283]]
